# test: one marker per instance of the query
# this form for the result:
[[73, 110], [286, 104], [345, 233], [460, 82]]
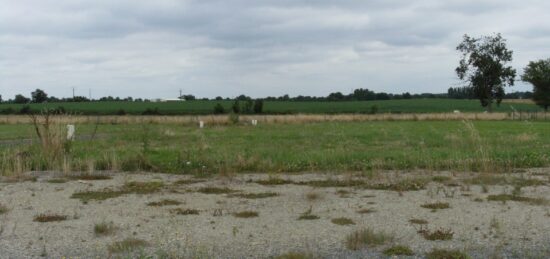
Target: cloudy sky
[[146, 48]]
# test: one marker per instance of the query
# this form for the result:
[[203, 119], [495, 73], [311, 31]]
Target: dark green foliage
[[483, 66], [218, 109], [538, 74]]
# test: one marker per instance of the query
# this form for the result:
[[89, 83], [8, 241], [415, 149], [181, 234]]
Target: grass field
[[280, 107], [327, 146]]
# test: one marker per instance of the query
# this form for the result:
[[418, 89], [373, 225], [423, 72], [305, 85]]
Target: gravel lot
[[481, 228]]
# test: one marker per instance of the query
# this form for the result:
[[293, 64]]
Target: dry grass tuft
[[246, 214], [438, 234], [399, 250], [165, 202], [446, 254], [126, 245], [185, 212], [295, 255], [274, 181], [366, 238], [510, 197], [436, 205], [3, 209], [342, 221], [188, 181], [418, 221], [261, 195], [366, 211], [215, 190], [49, 217], [104, 229], [90, 177]]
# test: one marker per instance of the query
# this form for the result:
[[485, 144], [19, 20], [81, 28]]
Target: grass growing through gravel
[[342, 221], [3, 209], [90, 177], [366, 237], [165, 202], [510, 197], [188, 181], [49, 217], [126, 245], [273, 180], [436, 205], [438, 234], [308, 215], [57, 180], [399, 250], [246, 214], [104, 229], [215, 190], [418, 221], [446, 254], [295, 255], [261, 195], [96, 195], [185, 212], [366, 211], [128, 188]]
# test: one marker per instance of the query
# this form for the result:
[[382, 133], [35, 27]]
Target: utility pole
[[180, 94], [90, 93], [73, 92]]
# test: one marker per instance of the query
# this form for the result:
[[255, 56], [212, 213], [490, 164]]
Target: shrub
[[218, 109], [104, 229]]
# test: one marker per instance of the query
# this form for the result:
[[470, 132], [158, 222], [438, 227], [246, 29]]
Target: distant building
[[163, 100]]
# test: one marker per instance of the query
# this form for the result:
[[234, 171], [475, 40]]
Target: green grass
[[366, 238], [446, 254], [327, 146], [399, 250], [279, 107], [126, 245]]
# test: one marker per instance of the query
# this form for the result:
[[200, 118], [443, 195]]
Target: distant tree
[[236, 108], [188, 97], [21, 99], [248, 106], [407, 95], [538, 74], [219, 98], [218, 109], [484, 67], [0, 98], [39, 96], [338, 96], [243, 97], [258, 106]]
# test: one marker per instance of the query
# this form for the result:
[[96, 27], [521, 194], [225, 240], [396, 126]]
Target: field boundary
[[265, 119]]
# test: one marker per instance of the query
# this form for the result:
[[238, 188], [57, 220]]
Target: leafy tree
[[538, 74], [21, 99], [258, 106], [484, 67], [218, 109], [39, 96], [236, 108]]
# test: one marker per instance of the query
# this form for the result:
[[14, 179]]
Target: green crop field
[[278, 107], [327, 146]]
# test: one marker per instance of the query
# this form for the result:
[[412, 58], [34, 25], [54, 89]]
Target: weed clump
[[185, 212], [57, 180], [366, 237], [104, 228], [215, 190], [342, 221], [49, 217], [96, 195], [446, 254], [274, 181], [439, 234], [436, 205], [510, 197], [418, 221], [188, 181], [142, 187], [295, 255], [165, 202], [90, 177], [3, 209], [246, 214], [399, 250], [262, 195], [366, 211], [307, 215], [126, 245]]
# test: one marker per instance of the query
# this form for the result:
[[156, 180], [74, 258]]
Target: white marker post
[[70, 132], [254, 122], [201, 124]]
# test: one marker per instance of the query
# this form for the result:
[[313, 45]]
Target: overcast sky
[[150, 49]]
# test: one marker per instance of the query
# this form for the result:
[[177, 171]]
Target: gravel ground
[[481, 228]]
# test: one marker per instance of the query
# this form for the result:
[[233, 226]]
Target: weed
[[366, 211], [165, 202], [215, 190], [126, 245], [399, 250], [307, 215], [274, 181], [478, 199], [508, 197], [185, 212], [436, 205], [438, 234], [90, 177], [57, 180], [342, 221], [312, 196], [104, 228], [246, 214], [262, 195], [418, 221], [446, 254], [188, 181], [143, 187], [366, 237], [49, 217], [441, 179], [295, 255], [3, 209], [96, 195]]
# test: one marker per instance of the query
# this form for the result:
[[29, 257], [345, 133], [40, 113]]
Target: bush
[[233, 118], [218, 109]]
